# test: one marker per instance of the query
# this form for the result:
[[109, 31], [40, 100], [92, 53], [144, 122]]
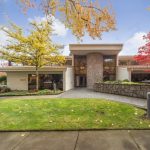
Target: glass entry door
[[80, 81]]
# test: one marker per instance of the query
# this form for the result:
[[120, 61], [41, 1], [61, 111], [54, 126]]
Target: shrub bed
[[4, 89], [30, 93]]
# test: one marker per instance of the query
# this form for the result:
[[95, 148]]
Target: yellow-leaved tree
[[33, 49], [81, 16]]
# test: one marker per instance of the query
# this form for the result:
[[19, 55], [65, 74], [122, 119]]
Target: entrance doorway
[[80, 81]]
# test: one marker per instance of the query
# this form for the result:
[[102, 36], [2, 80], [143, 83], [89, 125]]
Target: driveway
[[85, 93], [76, 140]]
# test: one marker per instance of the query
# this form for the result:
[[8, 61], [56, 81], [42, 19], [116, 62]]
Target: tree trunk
[[37, 79]]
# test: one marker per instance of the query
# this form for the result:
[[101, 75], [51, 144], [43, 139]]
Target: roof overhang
[[31, 68], [126, 57], [104, 49]]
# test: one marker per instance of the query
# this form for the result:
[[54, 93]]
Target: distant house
[[130, 69], [87, 64]]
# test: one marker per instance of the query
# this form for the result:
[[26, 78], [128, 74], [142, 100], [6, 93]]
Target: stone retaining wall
[[139, 91]]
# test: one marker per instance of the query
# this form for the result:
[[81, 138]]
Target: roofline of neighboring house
[[125, 56], [138, 66], [68, 57], [32, 68]]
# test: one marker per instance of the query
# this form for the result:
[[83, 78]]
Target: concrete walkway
[[76, 140], [85, 93]]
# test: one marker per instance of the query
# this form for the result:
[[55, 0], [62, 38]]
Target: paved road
[[85, 93], [76, 140]]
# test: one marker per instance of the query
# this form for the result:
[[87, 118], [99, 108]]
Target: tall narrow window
[[31, 81], [109, 70], [80, 69]]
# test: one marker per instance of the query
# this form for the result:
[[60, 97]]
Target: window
[[80, 65], [69, 62], [134, 62], [109, 70], [123, 62], [80, 69], [45, 81], [31, 81]]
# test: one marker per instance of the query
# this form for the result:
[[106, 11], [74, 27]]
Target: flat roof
[[31, 68], [138, 67], [104, 49], [68, 57]]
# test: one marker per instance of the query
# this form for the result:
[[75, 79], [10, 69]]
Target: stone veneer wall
[[138, 91], [94, 69]]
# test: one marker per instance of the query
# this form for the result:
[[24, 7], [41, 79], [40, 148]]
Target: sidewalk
[[76, 140]]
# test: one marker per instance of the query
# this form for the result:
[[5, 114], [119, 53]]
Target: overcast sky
[[132, 16]]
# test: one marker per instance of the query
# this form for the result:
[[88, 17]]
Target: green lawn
[[53, 114]]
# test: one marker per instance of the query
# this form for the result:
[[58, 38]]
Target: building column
[[130, 74], [94, 69]]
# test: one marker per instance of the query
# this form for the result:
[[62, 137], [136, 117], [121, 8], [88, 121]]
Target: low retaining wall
[[138, 91]]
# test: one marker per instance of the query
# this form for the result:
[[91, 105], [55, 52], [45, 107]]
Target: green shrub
[[113, 82], [47, 92], [7, 92], [122, 82], [4, 89], [126, 80]]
